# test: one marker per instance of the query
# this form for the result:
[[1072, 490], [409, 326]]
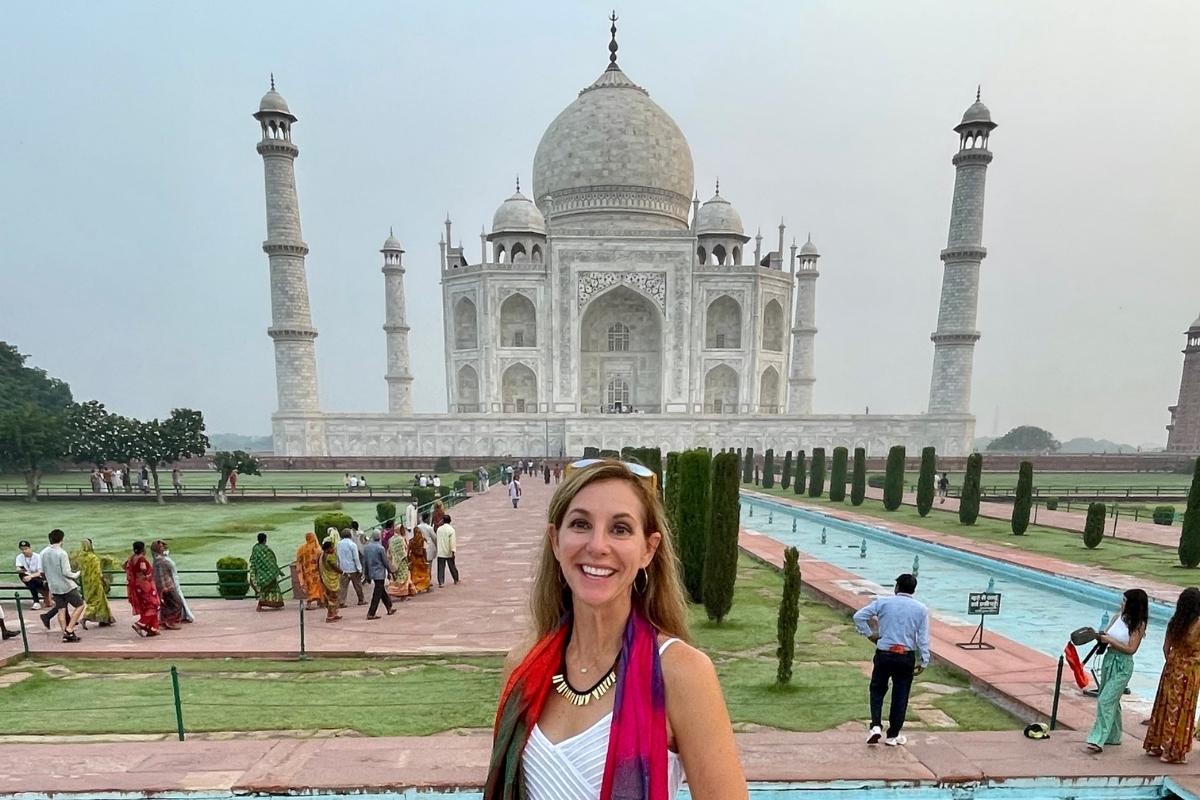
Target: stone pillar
[[801, 372], [1183, 434], [395, 325]]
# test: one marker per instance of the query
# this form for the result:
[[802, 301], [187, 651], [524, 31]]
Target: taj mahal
[[610, 307]]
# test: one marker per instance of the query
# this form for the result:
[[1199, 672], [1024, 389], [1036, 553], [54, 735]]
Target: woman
[[95, 586], [141, 591], [610, 622], [329, 574], [418, 562], [308, 559], [264, 575], [170, 612], [1123, 636], [188, 616], [439, 514], [401, 585], [1173, 721]]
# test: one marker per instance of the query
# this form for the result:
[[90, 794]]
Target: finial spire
[[391, 232], [978, 91], [718, 187], [518, 183], [612, 45], [272, 81]]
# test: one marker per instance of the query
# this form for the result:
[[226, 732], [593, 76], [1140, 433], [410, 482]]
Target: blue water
[[1037, 610]]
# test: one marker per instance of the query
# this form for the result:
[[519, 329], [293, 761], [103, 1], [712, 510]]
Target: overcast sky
[[132, 212]]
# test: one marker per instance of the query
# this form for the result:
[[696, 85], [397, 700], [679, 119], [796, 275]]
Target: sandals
[[1094, 748], [139, 630]]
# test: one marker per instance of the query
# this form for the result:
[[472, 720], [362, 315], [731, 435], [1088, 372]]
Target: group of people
[[353, 482], [109, 480]]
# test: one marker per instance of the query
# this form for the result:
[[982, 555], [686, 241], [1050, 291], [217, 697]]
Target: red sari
[[142, 592]]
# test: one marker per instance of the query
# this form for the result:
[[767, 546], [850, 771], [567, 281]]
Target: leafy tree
[[32, 440], [893, 478], [384, 510], [858, 483], [926, 490], [1023, 502], [89, 428], [816, 478], [968, 501], [801, 477], [748, 465], [693, 513], [1025, 439], [21, 384], [721, 555], [227, 463], [1093, 526], [1189, 537], [837, 475], [179, 436], [789, 616], [785, 480], [671, 496], [768, 475]]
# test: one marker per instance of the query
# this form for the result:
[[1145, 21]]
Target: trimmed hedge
[[721, 555], [233, 585], [816, 478], [858, 480], [801, 476], [768, 474], [786, 479], [968, 504], [694, 500], [925, 480], [385, 510], [609, 454], [1024, 499], [330, 519], [789, 615], [1164, 515], [671, 496], [1093, 528], [424, 495], [837, 475], [748, 465], [893, 479], [875, 481], [1052, 504], [1189, 537], [591, 452]]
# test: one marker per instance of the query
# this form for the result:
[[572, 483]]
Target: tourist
[[177, 481], [514, 491], [401, 585], [557, 473], [943, 486], [144, 480], [377, 569], [95, 480], [1123, 636], [5, 633], [118, 479], [308, 571], [63, 588], [233, 482], [95, 586], [264, 575], [410, 514], [351, 567], [170, 610], [447, 546], [546, 473], [362, 481], [422, 481], [418, 559], [389, 530], [437, 481], [331, 577], [428, 533], [107, 476], [141, 591], [353, 482], [346, 481], [439, 514], [188, 616], [607, 593], [1173, 721], [29, 570], [899, 627]]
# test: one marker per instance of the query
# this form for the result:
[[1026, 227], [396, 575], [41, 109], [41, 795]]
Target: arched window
[[518, 322], [701, 256], [772, 335], [723, 324], [466, 327], [618, 392], [517, 253], [719, 254], [618, 338], [536, 254], [737, 256], [501, 255]]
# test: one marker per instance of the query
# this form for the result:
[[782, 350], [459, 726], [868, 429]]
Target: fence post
[[21, 621], [303, 651], [1116, 516], [178, 701], [1057, 690]]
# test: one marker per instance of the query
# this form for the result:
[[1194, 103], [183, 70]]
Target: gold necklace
[[563, 687]]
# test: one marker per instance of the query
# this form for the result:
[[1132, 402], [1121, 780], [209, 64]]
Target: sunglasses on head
[[638, 470]]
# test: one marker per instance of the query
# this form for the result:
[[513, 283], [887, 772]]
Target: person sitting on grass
[[264, 575]]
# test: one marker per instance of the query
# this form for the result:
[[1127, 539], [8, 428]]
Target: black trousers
[[380, 593], [37, 588], [897, 668], [442, 564]]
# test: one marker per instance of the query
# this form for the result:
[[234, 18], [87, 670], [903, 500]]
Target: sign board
[[983, 603]]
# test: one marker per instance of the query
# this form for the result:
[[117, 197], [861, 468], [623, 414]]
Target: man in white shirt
[[353, 481], [426, 530], [63, 587], [29, 568], [437, 481], [514, 491], [350, 565], [422, 481], [447, 546], [410, 516]]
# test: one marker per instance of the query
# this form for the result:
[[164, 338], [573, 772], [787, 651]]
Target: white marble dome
[[518, 214], [273, 103], [718, 217], [977, 113]]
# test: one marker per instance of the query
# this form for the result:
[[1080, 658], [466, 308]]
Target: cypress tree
[[837, 475], [591, 452], [925, 480], [1093, 527], [799, 480], [630, 453], [816, 477], [968, 501], [671, 496], [858, 483], [748, 465], [1189, 537], [785, 480], [695, 483], [721, 555], [1023, 502], [893, 478], [768, 477], [789, 615], [651, 457]]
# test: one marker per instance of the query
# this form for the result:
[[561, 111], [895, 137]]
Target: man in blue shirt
[[899, 627]]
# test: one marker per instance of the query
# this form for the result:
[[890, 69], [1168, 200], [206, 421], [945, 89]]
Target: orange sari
[[418, 564], [308, 559], [1173, 721]]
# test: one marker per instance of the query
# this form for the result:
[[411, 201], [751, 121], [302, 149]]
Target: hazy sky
[[132, 212]]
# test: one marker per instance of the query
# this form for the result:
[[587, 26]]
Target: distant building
[[1183, 434]]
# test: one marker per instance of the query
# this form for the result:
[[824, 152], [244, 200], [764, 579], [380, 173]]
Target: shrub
[[629, 453], [1164, 515], [330, 519], [385, 510], [1052, 504], [925, 480], [443, 465], [837, 475], [875, 481], [424, 495], [1093, 527], [893, 478], [721, 555], [748, 465], [801, 476], [609, 454], [968, 504], [789, 615], [671, 496], [233, 584], [1189, 538], [816, 476], [1023, 502], [785, 480], [591, 452], [693, 513], [858, 480], [768, 475]]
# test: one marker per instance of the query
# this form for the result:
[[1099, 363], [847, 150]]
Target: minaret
[[801, 375], [954, 340], [395, 325], [291, 322], [1183, 434]]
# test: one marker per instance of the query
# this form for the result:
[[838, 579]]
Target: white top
[[573, 769], [1119, 631], [31, 563]]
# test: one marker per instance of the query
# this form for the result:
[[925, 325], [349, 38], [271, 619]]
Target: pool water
[[1037, 610]]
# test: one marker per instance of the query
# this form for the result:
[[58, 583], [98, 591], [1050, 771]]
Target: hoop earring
[[641, 573]]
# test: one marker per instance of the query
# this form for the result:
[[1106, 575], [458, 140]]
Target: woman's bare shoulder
[[685, 665]]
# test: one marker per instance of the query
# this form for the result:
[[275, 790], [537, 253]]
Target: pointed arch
[[721, 390], [518, 322], [773, 327], [719, 254], [768, 391], [518, 390], [466, 325], [517, 253], [466, 389], [535, 254], [723, 324]]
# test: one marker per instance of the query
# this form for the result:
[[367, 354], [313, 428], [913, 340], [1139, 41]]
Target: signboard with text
[[983, 603]]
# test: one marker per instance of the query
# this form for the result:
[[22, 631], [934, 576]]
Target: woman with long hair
[[607, 665], [308, 558], [170, 612], [1173, 720], [95, 585], [418, 562], [141, 591], [330, 575], [1123, 637]]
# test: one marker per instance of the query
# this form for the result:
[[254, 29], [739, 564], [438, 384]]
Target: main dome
[[614, 152]]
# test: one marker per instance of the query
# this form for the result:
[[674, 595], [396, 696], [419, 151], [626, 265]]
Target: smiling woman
[[608, 611]]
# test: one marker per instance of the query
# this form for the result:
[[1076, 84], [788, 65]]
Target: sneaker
[[70, 637], [895, 741], [36, 606], [46, 620], [876, 735], [10, 634]]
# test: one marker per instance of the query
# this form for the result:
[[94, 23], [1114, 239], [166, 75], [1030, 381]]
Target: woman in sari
[[418, 562], [188, 616], [329, 575], [308, 570], [264, 575], [170, 612], [1172, 723], [401, 585], [95, 585], [141, 591], [439, 514]]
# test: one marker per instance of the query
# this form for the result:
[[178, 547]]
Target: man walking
[[514, 491], [63, 588], [375, 563], [447, 545], [350, 565], [410, 516], [177, 481], [29, 568], [899, 627]]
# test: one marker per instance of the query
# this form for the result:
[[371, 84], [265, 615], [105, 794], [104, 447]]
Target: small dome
[[273, 103], [518, 214], [808, 248], [718, 217], [391, 243], [978, 112]]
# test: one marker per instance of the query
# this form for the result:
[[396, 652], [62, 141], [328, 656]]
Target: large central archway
[[620, 340]]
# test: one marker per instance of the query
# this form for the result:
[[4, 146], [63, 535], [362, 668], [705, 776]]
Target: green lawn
[[1050, 482], [399, 696], [1132, 558], [320, 481]]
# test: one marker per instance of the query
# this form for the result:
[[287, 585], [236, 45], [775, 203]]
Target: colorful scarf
[[636, 765]]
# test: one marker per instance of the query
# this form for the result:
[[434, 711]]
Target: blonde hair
[[662, 602]]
